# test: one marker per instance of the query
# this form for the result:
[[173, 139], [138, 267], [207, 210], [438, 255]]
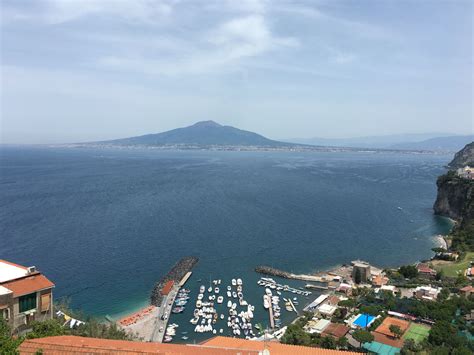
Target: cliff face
[[455, 200], [464, 157], [455, 196]]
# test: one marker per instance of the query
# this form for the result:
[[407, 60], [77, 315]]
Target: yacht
[[239, 282], [266, 304], [229, 294], [220, 299], [216, 290], [202, 289]]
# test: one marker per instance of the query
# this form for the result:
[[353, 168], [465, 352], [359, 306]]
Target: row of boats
[[239, 312], [273, 285], [181, 300]]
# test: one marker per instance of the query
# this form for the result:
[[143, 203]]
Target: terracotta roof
[[467, 288], [275, 348], [336, 330], [28, 284], [68, 344], [384, 328]]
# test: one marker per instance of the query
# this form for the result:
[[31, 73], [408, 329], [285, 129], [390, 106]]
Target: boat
[[266, 304], [239, 282], [209, 289], [229, 288], [220, 299], [234, 282], [216, 290], [229, 294], [234, 294], [229, 304], [184, 337], [194, 321], [202, 289]]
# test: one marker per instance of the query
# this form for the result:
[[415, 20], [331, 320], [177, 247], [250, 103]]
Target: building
[[68, 344], [361, 272], [26, 295], [467, 172], [466, 291], [425, 271], [427, 293]]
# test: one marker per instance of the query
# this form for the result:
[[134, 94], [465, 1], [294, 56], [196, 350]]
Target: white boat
[[220, 299], [229, 288], [229, 294], [209, 289], [268, 291], [266, 304], [234, 294], [216, 290], [202, 289], [239, 282], [234, 282], [229, 304]]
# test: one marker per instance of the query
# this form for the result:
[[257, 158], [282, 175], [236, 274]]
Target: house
[[466, 172], [379, 280], [67, 344], [327, 309], [26, 295], [427, 293], [466, 291], [425, 271], [469, 272], [388, 288], [345, 289]]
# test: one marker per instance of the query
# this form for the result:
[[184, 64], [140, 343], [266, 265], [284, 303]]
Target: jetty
[[267, 270], [181, 270], [270, 312], [165, 291]]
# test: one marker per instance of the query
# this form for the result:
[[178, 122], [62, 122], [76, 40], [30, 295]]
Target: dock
[[185, 278], [318, 287], [270, 312], [292, 305]]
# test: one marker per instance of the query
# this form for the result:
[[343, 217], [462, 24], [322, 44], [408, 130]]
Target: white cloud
[[217, 49]]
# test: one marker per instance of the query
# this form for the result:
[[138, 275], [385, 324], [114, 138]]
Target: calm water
[[105, 225]]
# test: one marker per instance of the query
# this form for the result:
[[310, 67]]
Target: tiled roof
[[275, 348], [28, 284], [336, 330], [467, 288], [68, 344]]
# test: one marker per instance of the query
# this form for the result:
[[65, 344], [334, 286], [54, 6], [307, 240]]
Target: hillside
[[204, 133], [452, 143], [464, 157]]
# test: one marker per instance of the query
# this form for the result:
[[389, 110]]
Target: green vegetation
[[53, 327], [408, 271], [362, 336], [296, 335], [456, 268]]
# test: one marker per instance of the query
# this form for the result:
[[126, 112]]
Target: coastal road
[[165, 308]]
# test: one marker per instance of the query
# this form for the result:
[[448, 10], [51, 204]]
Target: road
[[165, 308]]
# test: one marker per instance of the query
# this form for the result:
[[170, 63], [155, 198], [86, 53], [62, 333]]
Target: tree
[[8, 345], [362, 336], [342, 343], [295, 335], [47, 328], [328, 342], [396, 330], [408, 271]]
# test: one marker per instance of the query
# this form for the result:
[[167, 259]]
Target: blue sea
[[106, 224]]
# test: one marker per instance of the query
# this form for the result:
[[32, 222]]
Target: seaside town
[[362, 308]]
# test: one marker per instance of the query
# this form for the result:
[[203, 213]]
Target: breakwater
[[176, 274]]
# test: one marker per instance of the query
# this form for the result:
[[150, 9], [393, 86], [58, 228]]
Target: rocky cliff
[[464, 157], [455, 199]]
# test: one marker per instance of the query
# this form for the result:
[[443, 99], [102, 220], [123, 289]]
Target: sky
[[85, 70]]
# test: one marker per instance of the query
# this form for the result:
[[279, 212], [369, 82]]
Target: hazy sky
[[75, 70]]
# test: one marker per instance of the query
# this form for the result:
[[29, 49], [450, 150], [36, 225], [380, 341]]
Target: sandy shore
[[440, 241]]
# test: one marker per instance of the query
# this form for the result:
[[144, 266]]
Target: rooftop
[[10, 271], [68, 344]]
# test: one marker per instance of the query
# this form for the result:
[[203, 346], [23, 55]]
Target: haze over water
[[105, 225]]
